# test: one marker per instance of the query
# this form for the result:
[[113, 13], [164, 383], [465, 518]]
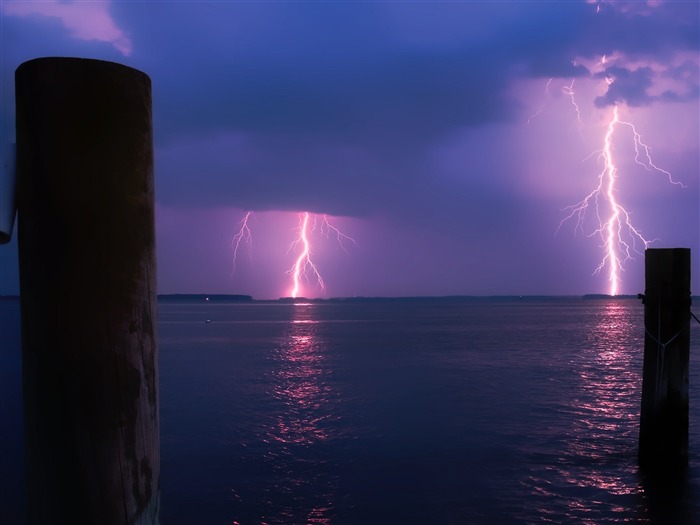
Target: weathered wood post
[[88, 292], [663, 428]]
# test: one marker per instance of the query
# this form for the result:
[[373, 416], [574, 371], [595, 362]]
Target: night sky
[[446, 138]]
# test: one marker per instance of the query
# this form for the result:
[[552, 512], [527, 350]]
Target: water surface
[[443, 411]]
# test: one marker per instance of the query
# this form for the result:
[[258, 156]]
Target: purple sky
[[447, 139]]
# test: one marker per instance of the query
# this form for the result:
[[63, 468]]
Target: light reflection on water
[[380, 413], [304, 419], [597, 458], [427, 412]]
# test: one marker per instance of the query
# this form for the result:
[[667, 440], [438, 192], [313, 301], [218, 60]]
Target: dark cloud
[[630, 86], [633, 86], [327, 71], [345, 107], [339, 106], [292, 173], [410, 95], [639, 31], [318, 69], [687, 74]]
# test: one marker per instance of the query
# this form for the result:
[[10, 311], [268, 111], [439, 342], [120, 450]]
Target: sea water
[[431, 411]]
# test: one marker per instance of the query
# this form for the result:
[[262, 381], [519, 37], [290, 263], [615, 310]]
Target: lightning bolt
[[539, 111], [303, 266], [569, 91], [325, 227], [618, 235], [243, 235]]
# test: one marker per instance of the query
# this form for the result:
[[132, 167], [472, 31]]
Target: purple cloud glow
[[83, 20], [443, 136]]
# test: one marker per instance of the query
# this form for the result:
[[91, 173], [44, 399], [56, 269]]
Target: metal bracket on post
[[8, 202]]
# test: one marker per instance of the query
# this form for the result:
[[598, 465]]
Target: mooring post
[[88, 292], [663, 428]]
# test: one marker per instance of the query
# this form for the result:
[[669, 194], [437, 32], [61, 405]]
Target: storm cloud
[[446, 118]]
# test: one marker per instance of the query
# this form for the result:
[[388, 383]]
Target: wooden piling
[[88, 292], [663, 429]]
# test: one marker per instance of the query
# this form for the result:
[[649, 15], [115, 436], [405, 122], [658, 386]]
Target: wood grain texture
[[88, 292]]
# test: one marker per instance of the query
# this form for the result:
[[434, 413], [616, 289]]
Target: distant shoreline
[[204, 298], [224, 298], [241, 298]]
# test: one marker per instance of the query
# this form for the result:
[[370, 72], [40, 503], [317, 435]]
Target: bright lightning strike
[[618, 235], [304, 268]]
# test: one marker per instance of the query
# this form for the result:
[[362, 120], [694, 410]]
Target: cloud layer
[[466, 121]]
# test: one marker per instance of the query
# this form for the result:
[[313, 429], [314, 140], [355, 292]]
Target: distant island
[[204, 298]]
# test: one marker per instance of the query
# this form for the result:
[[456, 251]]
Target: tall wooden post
[[663, 429], [88, 292]]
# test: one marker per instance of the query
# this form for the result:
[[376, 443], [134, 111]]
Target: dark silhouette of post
[[663, 429], [88, 292]]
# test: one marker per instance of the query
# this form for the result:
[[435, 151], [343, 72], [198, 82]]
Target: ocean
[[425, 411]]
